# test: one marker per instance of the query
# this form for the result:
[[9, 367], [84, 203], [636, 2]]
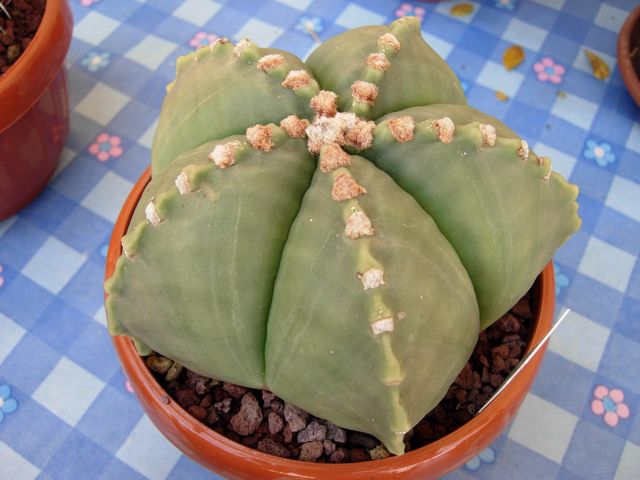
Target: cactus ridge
[[328, 280]]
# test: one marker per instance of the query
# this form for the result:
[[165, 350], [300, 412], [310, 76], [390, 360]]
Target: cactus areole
[[336, 231]]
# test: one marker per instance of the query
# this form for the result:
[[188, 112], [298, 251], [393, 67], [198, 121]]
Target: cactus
[[346, 255]]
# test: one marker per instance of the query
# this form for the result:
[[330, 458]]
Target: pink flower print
[[609, 403], [88, 3], [1, 277], [408, 10], [106, 146], [202, 39], [128, 387], [549, 71]]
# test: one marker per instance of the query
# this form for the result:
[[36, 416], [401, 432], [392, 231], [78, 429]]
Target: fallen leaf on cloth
[[512, 57], [599, 66], [462, 9]]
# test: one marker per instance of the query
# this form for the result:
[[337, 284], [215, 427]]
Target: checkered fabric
[[66, 410]]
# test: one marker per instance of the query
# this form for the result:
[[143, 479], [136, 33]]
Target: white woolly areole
[[221, 41], [224, 155], [152, 214], [124, 250], [325, 103], [489, 134], [372, 278], [402, 128], [269, 62], [548, 175], [389, 40], [378, 61], [241, 46], [381, 326], [329, 130], [358, 225], [183, 184], [523, 151], [296, 79], [444, 128], [365, 92], [294, 126]]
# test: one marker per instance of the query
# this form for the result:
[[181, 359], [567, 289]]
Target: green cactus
[[346, 259]]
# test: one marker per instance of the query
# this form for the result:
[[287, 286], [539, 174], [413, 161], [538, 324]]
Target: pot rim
[[228, 451], [23, 84], [623, 50]]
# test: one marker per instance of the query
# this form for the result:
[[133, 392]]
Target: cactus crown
[[272, 255]]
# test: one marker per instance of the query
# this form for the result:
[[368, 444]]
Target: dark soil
[[259, 419], [17, 31]]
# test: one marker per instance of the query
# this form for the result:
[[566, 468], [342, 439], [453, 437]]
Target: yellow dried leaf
[[503, 97], [562, 94], [462, 9], [598, 65], [512, 57]]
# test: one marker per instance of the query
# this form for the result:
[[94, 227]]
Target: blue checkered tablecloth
[[67, 411]]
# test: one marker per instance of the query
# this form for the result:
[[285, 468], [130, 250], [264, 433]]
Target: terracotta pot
[[34, 114], [629, 39], [236, 461]]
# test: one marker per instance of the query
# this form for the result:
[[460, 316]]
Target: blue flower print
[[600, 152], [505, 4], [562, 281], [309, 24], [488, 455], [94, 61], [7, 404]]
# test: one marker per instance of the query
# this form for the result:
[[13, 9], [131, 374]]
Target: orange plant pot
[[34, 114], [629, 33], [235, 461]]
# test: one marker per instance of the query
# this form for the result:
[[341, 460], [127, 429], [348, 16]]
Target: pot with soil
[[628, 52], [34, 119], [322, 285]]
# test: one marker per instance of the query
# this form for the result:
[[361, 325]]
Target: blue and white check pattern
[[75, 416]]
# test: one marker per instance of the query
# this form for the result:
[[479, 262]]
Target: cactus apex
[[444, 128], [489, 134], [378, 61], [183, 184], [364, 92], [389, 41], [224, 155], [270, 62], [333, 157], [294, 126], [152, 214], [329, 130], [523, 151], [325, 104], [346, 188], [402, 128], [297, 79], [372, 278], [358, 225], [381, 326], [259, 137]]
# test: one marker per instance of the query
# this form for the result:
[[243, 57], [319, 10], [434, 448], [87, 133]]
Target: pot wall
[[34, 118]]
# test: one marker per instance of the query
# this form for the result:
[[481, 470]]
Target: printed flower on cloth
[[94, 61], [106, 146], [309, 24], [408, 10], [505, 4], [600, 152], [202, 39], [549, 71], [562, 281], [7, 404], [1, 277], [488, 455], [610, 404]]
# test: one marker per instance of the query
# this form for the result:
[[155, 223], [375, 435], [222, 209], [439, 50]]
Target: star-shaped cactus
[[336, 231]]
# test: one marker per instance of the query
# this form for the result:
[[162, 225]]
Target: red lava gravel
[[261, 420], [17, 32]]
